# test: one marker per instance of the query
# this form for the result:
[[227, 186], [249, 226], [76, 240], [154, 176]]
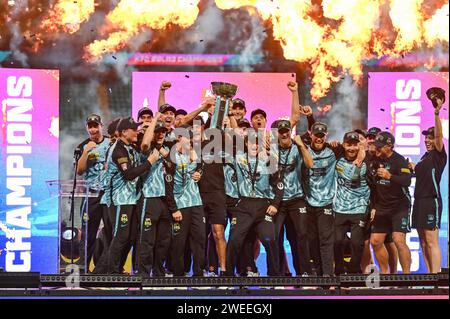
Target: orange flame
[[129, 18], [354, 33], [436, 28], [67, 15]]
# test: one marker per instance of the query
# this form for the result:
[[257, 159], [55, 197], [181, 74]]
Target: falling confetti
[[382, 110], [186, 76]]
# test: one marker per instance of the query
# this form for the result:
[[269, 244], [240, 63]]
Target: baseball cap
[[373, 131], [243, 122], [112, 127], [429, 131], [239, 102], [145, 110], [258, 111], [94, 118], [127, 123], [318, 128], [199, 118], [283, 125], [180, 112], [384, 138], [167, 107], [361, 131], [351, 137], [160, 125]]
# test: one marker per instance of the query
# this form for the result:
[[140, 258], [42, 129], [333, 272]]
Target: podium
[[68, 255]]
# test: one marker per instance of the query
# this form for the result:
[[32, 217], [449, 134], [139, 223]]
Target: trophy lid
[[435, 92], [224, 89]]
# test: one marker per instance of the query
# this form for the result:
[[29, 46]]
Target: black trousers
[[245, 260], [354, 223], [91, 215], [154, 236], [252, 215], [192, 229], [101, 264], [132, 244], [294, 211], [122, 224], [321, 238]]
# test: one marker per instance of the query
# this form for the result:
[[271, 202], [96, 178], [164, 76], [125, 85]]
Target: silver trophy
[[224, 94]]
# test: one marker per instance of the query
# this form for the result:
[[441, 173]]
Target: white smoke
[[208, 26], [16, 33], [253, 46], [345, 109], [123, 70]]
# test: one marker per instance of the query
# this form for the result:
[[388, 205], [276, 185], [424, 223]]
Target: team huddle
[[169, 186]]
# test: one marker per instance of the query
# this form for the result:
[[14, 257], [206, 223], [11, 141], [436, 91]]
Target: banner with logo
[[29, 151], [398, 103]]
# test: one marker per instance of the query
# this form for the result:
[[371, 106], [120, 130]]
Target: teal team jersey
[[154, 183], [290, 163], [121, 191], [96, 165], [352, 192], [245, 169], [185, 190], [106, 180], [320, 183]]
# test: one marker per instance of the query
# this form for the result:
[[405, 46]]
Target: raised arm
[[438, 126], [162, 93], [149, 133], [206, 104], [295, 105], [82, 162]]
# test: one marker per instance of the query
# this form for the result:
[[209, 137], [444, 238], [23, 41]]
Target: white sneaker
[[252, 274]]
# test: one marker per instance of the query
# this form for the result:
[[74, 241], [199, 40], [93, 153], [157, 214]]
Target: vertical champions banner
[[398, 103], [29, 151]]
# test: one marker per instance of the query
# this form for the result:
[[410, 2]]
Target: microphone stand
[[77, 156]]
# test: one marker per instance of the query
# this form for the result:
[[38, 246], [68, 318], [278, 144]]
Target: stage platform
[[35, 285]]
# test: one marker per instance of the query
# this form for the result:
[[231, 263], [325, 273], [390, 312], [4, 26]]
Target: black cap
[[127, 123], [274, 124], [384, 138], [319, 127], [243, 122], [373, 131], [258, 111], [160, 125], [198, 118], [429, 131], [283, 125], [361, 131], [112, 127], [145, 110], [167, 107], [239, 102], [94, 118], [351, 137], [181, 112]]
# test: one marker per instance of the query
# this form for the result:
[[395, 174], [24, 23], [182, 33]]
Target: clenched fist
[[165, 85], [292, 86]]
